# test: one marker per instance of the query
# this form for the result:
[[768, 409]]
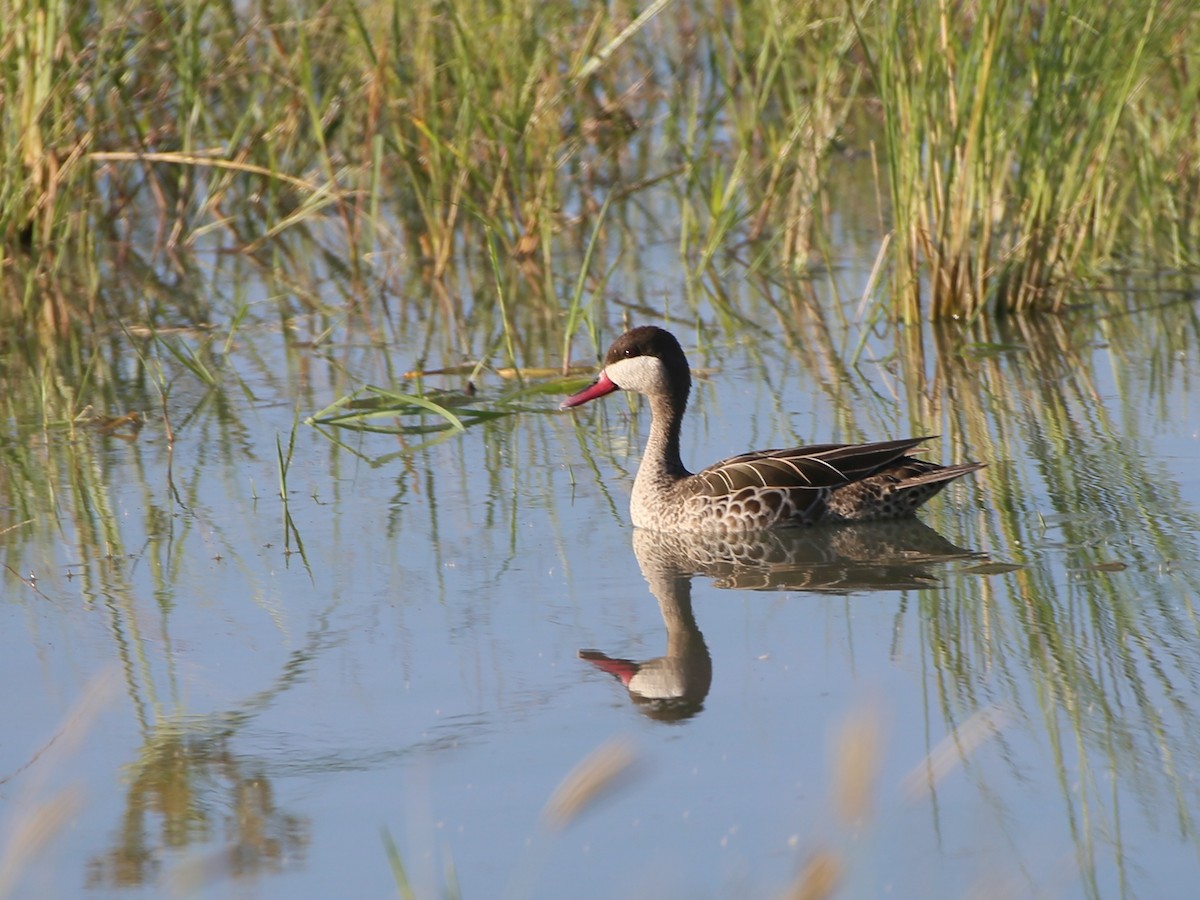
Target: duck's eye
[[628, 352]]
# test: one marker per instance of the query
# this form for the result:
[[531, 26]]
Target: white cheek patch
[[643, 374]]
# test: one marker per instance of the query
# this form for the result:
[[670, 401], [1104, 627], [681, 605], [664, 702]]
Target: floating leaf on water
[[464, 369], [543, 372], [361, 410], [381, 402], [112, 424], [1112, 566], [507, 372], [993, 568], [986, 348], [458, 409], [539, 389]]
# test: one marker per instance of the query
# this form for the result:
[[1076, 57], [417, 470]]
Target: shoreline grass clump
[[411, 128], [1027, 150]]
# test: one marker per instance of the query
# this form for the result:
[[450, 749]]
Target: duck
[[760, 490]]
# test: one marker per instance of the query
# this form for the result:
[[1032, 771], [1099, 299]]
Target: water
[[208, 693]]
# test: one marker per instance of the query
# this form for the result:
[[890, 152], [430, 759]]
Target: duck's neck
[[661, 466]]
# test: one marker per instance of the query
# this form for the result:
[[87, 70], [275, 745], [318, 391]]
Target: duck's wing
[[817, 467]]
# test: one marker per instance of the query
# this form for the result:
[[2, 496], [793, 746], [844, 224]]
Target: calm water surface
[[221, 701]]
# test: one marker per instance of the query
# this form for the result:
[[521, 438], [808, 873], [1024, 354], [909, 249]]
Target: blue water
[[272, 718]]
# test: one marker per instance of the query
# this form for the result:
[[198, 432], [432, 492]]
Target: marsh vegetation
[[289, 294]]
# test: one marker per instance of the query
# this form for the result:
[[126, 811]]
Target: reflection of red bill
[[623, 669], [598, 388]]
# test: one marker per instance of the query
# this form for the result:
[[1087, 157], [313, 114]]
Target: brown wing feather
[[816, 467]]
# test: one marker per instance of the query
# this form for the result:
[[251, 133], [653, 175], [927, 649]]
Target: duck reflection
[[871, 556]]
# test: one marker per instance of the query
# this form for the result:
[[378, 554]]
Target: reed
[[787, 78]]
